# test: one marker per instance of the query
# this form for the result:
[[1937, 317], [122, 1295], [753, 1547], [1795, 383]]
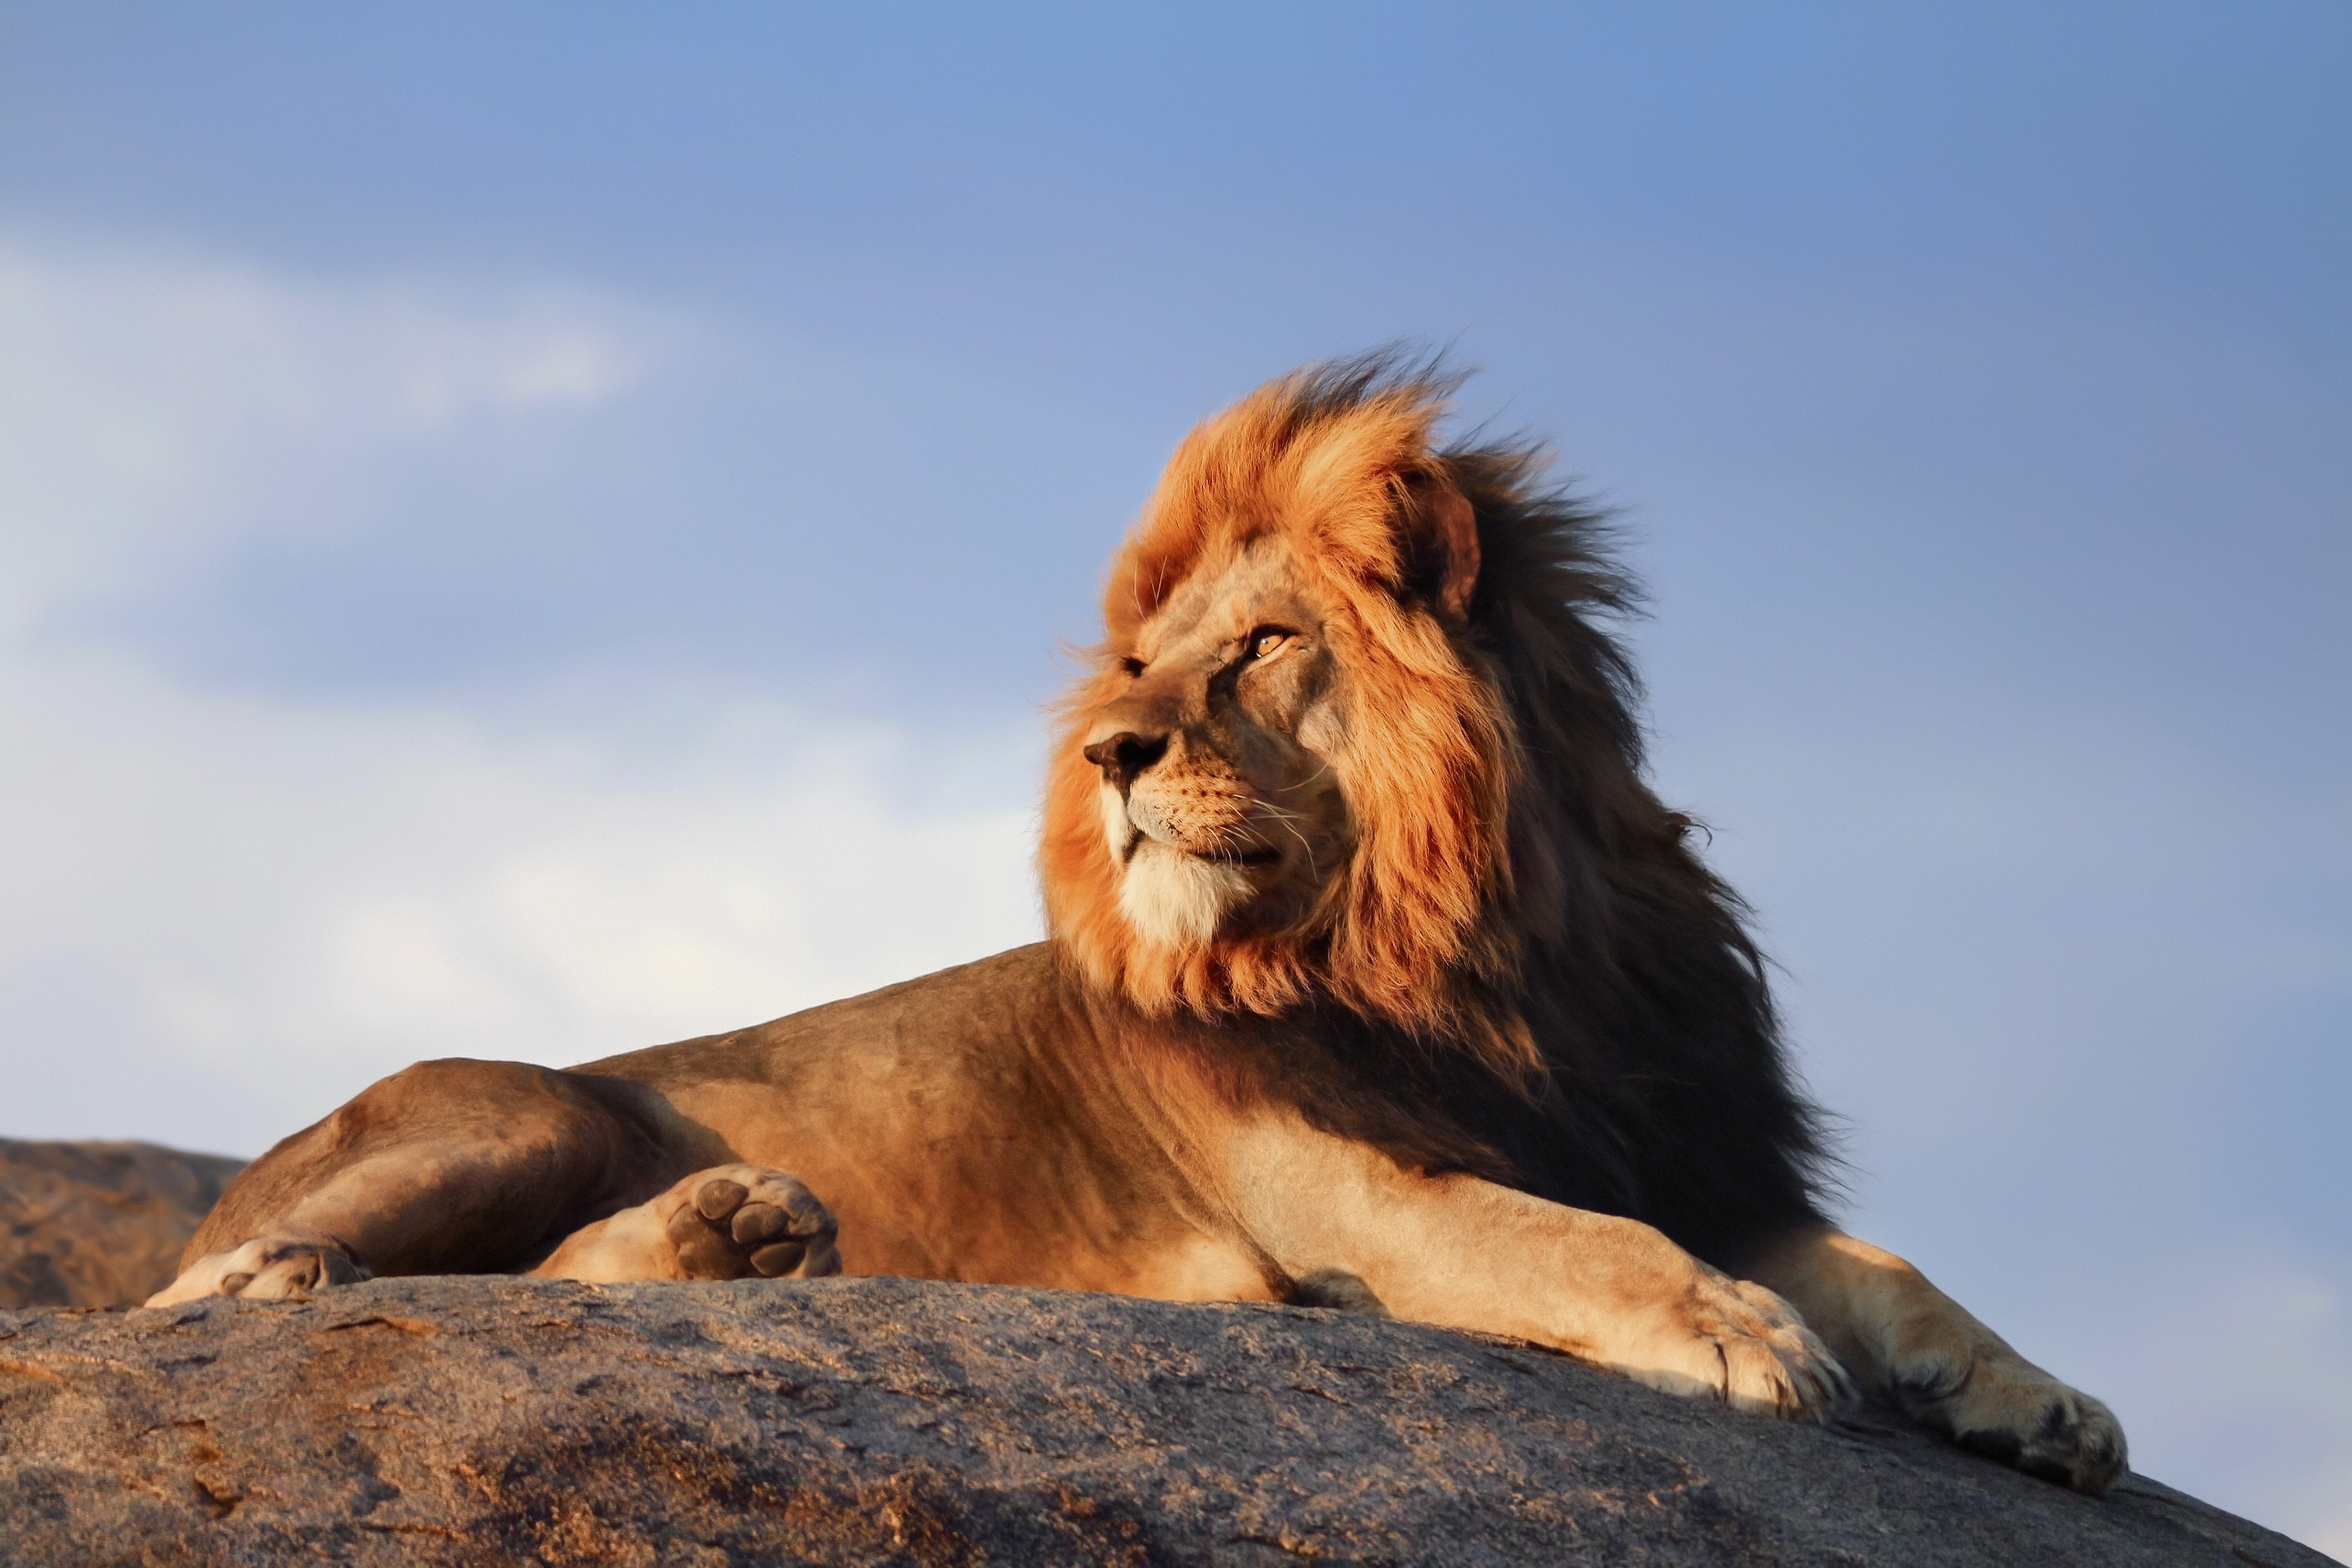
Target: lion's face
[[1220, 809], [1286, 775]]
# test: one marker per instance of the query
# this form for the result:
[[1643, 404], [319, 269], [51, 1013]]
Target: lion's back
[[992, 1008]]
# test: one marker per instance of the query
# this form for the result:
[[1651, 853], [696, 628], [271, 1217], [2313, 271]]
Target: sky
[[529, 532]]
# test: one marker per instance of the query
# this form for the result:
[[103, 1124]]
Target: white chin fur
[[1175, 900]]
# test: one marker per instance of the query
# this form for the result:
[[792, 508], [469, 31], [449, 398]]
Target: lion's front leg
[[1455, 1250], [1916, 1347], [730, 1222]]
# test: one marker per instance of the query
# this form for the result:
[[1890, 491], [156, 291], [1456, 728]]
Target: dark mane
[[1668, 1095], [1665, 1094]]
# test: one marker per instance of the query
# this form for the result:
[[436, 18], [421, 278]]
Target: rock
[[98, 1224], [495, 1420]]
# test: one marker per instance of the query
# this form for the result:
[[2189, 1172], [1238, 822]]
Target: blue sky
[[529, 533]]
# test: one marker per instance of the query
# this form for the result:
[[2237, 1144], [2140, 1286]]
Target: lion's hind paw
[[739, 1222], [268, 1268], [2009, 1410], [2071, 1439]]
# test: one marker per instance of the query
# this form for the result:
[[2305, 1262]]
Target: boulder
[[495, 1420], [98, 1224]]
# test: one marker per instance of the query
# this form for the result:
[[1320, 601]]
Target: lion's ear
[[1442, 528]]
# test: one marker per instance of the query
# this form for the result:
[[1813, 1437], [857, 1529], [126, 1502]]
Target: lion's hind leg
[[729, 1222], [448, 1167], [1921, 1350]]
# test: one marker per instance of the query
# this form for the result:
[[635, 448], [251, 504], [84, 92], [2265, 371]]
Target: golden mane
[[1340, 460]]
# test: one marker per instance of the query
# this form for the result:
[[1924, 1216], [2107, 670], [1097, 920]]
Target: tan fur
[[1328, 888]]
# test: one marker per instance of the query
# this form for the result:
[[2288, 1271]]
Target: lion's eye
[[1134, 667], [1265, 639]]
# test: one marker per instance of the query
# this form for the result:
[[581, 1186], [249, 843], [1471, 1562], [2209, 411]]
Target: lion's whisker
[[1309, 779], [1305, 847]]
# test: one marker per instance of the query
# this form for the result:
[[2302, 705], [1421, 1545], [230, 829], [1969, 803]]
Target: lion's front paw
[[270, 1269], [735, 1222], [1772, 1364], [1735, 1341], [2007, 1408]]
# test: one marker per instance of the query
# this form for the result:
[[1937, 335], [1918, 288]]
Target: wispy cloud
[[293, 901], [225, 911], [151, 409]]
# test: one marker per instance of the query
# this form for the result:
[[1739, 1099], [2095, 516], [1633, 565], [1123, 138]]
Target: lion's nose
[[1126, 754]]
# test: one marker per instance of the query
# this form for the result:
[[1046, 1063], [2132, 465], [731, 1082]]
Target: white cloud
[[299, 900], [151, 409], [224, 913]]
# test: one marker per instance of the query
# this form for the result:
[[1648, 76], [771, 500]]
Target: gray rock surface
[[500, 1420], [98, 1224]]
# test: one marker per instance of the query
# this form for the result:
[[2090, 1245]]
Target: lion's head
[[1297, 772]]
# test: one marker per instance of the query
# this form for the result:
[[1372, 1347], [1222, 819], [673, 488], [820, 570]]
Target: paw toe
[[755, 1222], [779, 1258], [720, 1197]]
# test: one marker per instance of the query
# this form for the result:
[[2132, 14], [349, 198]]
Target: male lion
[[1378, 978]]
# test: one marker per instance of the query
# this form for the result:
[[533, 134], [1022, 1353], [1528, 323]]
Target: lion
[[1377, 977]]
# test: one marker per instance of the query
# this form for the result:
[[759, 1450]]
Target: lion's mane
[[1524, 954]]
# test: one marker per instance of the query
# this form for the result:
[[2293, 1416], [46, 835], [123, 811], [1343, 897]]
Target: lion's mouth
[[1250, 857]]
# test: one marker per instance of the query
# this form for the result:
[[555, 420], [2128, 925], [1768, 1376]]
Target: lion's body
[[975, 1124], [1378, 976], [997, 1122]]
